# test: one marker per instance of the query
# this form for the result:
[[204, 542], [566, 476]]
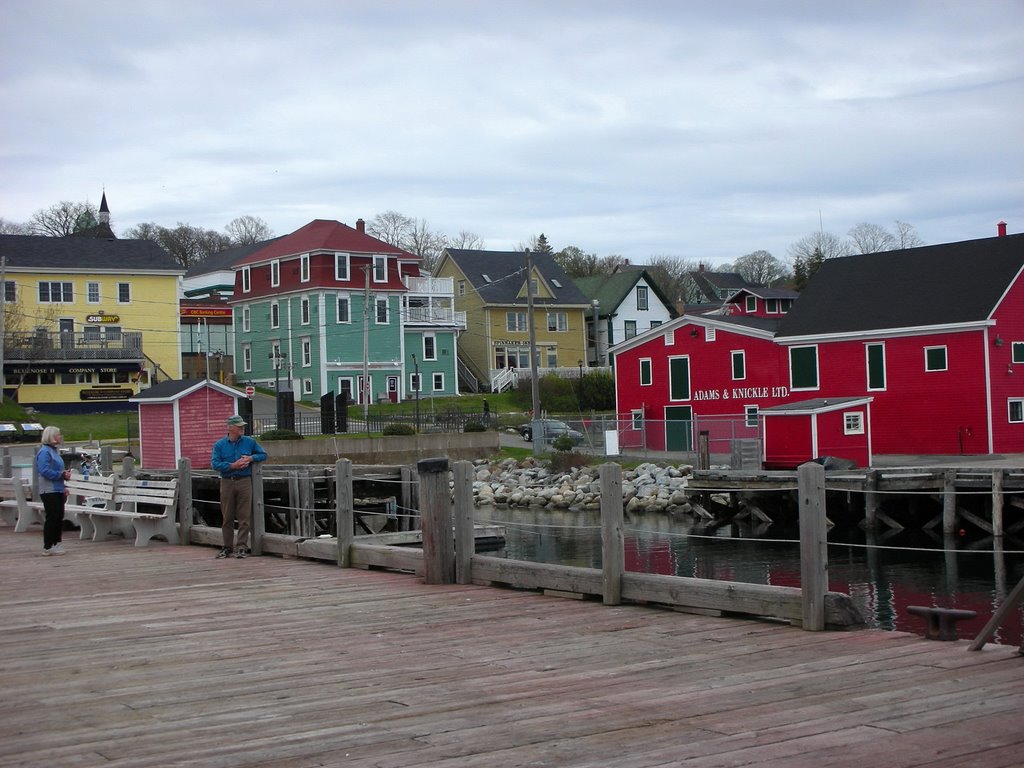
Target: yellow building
[[490, 287], [88, 322]]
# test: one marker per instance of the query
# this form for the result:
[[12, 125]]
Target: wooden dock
[[119, 656]]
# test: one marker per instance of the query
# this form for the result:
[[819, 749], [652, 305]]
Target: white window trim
[[348, 301], [275, 273], [434, 338], [751, 415], [275, 316], [945, 357], [732, 364], [434, 378], [88, 298], [246, 319], [378, 258], [387, 315], [246, 358], [853, 423], [305, 310], [415, 382], [636, 419], [307, 352], [307, 386], [643, 290], [304, 276], [1009, 409], [650, 369], [339, 258], [129, 287], [246, 280]]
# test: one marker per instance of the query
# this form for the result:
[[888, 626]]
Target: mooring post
[[307, 502], [870, 499], [6, 466], [409, 503], [613, 557], [185, 500], [106, 458], [949, 501], [704, 449], [465, 538], [259, 521], [813, 545], [438, 538], [997, 503], [344, 521]]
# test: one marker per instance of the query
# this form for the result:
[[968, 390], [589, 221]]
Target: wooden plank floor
[[164, 656]]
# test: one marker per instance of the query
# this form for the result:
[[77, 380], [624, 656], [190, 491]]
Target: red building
[[934, 336]]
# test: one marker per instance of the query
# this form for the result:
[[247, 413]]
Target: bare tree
[[147, 230], [248, 230], [425, 243], [871, 238], [391, 227], [826, 244], [187, 244], [468, 240], [759, 268], [906, 235], [63, 219], [671, 275], [14, 228]]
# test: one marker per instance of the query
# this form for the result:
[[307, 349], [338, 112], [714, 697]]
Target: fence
[[313, 424]]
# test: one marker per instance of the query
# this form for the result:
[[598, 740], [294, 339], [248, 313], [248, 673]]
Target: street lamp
[[597, 334], [579, 394], [278, 357], [416, 374]]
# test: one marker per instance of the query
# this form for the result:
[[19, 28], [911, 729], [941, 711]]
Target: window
[[304, 307], [642, 300], [853, 423], [552, 357], [462, 287], [751, 304], [1016, 353], [750, 415], [124, 293], [439, 382], [803, 367], [679, 378], [381, 313], [876, 365], [344, 310], [429, 347], [771, 306], [90, 333], [307, 386], [670, 338], [558, 321], [246, 321], [380, 269], [556, 283], [1016, 410], [637, 419], [304, 268], [112, 332], [646, 377], [246, 357], [655, 323], [515, 321], [739, 365], [275, 273], [11, 291], [56, 292], [307, 352], [935, 359], [415, 383], [246, 280], [534, 286], [92, 293], [630, 328], [341, 266], [275, 315]]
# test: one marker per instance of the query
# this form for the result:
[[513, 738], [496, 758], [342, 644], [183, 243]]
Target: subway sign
[[103, 318]]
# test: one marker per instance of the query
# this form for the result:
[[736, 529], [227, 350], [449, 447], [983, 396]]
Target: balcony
[[431, 286], [37, 346], [434, 316]]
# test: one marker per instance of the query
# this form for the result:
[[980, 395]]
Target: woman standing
[[51, 473]]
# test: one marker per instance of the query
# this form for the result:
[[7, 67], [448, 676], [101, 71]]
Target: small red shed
[[795, 433], [183, 419]]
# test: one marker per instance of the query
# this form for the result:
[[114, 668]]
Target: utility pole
[[538, 434], [3, 322]]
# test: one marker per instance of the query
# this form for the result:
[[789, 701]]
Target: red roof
[[323, 235]]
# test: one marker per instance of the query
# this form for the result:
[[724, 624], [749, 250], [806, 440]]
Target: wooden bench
[[110, 500]]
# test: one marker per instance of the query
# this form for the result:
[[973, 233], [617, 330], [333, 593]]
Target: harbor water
[[883, 573]]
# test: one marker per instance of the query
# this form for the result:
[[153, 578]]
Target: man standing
[[233, 457]]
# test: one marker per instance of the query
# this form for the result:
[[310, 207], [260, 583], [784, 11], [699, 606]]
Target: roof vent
[[556, 283], [487, 278]]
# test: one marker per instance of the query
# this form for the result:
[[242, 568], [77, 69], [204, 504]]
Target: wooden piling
[[813, 545], [436, 510], [344, 521], [871, 499], [465, 539], [259, 509], [949, 501], [185, 500], [613, 558], [997, 503]]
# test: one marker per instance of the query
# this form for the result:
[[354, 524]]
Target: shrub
[[399, 429], [567, 461], [474, 426], [563, 443], [280, 434]]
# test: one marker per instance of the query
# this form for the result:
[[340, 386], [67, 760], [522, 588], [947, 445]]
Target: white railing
[[502, 379], [434, 316], [432, 286], [525, 374]]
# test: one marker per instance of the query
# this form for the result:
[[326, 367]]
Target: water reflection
[[882, 572]]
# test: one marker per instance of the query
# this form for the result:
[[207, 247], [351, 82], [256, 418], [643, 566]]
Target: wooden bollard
[[813, 545], [344, 518], [436, 509], [465, 536], [185, 500], [613, 553]]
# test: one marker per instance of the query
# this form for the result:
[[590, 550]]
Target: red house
[[934, 336], [183, 419]]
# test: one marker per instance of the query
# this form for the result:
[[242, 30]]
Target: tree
[[14, 228], [425, 243], [248, 230], [187, 244], [671, 273], [906, 236], [468, 240], [391, 227], [63, 219], [759, 268], [541, 244], [804, 268], [575, 262], [810, 251], [871, 238]]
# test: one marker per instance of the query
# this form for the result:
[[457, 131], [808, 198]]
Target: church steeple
[[104, 210]]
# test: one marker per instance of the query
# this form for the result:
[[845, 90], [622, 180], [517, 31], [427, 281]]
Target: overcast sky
[[702, 130]]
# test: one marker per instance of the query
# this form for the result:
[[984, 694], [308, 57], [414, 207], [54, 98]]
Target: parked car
[[552, 429]]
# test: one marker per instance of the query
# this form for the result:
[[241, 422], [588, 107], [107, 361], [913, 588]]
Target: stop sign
[[250, 391]]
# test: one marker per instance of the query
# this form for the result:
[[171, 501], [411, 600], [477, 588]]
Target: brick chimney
[[361, 226], [1001, 228]]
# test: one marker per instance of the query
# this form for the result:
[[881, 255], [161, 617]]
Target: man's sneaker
[[58, 549], [226, 552], [242, 552], [47, 552]]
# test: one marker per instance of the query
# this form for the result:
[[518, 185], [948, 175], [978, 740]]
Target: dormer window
[[304, 268], [380, 269], [275, 273], [341, 266], [751, 304]]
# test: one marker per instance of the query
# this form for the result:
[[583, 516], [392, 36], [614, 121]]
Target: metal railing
[[46, 345]]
